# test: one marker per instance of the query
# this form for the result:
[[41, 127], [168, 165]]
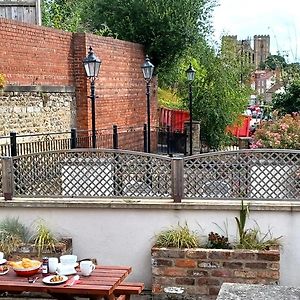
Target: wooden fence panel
[[27, 11]]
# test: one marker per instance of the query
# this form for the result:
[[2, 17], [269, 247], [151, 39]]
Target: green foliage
[[63, 14], [165, 27], [274, 62], [249, 238], [241, 221], [12, 235], [169, 99], [288, 101], [252, 238], [44, 238], [177, 237], [256, 240], [218, 96]]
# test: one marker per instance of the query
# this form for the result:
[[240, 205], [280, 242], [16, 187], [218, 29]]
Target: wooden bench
[[126, 289]]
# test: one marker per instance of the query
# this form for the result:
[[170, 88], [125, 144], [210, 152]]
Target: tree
[[165, 27], [63, 14], [218, 96], [274, 62], [288, 102]]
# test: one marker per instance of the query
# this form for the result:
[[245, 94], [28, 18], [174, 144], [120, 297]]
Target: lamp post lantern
[[147, 69], [190, 73], [92, 67]]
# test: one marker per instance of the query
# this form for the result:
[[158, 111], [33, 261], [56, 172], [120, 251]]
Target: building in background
[[254, 55]]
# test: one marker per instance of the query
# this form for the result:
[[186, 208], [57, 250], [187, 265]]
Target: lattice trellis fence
[[252, 174], [244, 174], [91, 173]]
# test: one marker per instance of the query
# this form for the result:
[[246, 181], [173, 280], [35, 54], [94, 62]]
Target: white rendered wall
[[124, 236]]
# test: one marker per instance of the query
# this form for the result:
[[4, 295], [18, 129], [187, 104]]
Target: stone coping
[[258, 292], [285, 206], [39, 88]]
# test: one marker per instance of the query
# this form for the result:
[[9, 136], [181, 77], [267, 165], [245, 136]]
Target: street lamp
[[92, 67], [190, 73], [147, 69]]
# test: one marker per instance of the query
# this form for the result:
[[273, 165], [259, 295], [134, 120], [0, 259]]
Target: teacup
[[53, 264], [68, 259], [86, 267], [65, 269]]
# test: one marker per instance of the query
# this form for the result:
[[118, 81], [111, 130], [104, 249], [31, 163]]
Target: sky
[[279, 19]]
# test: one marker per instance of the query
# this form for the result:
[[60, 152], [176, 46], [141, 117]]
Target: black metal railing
[[131, 138], [163, 141]]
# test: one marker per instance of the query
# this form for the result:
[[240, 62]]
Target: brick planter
[[64, 246], [199, 273]]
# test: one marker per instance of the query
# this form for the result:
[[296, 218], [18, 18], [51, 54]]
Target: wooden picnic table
[[100, 284]]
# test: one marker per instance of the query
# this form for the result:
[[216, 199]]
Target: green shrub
[[12, 234], [177, 237]]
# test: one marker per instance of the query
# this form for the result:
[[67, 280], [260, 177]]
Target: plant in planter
[[178, 237], [198, 272], [18, 241], [44, 238], [13, 234], [252, 238], [217, 241]]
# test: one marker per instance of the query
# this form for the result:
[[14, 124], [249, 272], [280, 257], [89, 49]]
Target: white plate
[[5, 272], [47, 280], [3, 261]]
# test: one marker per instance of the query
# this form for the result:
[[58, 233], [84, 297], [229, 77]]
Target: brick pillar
[[80, 80]]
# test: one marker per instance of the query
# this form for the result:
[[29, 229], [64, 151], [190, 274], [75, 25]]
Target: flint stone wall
[[36, 111]]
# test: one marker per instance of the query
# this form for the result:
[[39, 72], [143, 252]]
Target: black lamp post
[[190, 73], [147, 69], [92, 67]]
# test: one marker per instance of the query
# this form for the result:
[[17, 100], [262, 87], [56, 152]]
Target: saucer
[[3, 261], [66, 272], [75, 265], [66, 269]]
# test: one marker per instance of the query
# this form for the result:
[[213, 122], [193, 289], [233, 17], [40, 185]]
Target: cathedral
[[256, 55]]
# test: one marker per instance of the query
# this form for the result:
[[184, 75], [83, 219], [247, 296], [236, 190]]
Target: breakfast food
[[25, 263], [56, 278], [3, 268]]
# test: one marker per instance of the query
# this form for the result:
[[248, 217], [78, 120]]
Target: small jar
[[45, 266]]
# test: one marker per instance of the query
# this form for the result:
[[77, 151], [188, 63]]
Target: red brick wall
[[120, 87], [201, 272], [34, 55]]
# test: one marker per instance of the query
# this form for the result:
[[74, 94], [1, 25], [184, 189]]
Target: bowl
[[27, 272], [68, 259]]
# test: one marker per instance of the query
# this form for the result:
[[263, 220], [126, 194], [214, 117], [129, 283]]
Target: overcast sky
[[279, 19]]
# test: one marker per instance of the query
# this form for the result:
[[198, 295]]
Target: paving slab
[[237, 291]]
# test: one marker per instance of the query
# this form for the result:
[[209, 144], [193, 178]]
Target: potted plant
[[185, 266], [19, 241]]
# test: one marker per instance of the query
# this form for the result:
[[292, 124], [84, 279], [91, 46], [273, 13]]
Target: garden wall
[[199, 273], [45, 61], [37, 111], [122, 232]]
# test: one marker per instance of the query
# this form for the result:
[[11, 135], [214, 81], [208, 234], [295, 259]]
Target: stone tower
[[261, 49]]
